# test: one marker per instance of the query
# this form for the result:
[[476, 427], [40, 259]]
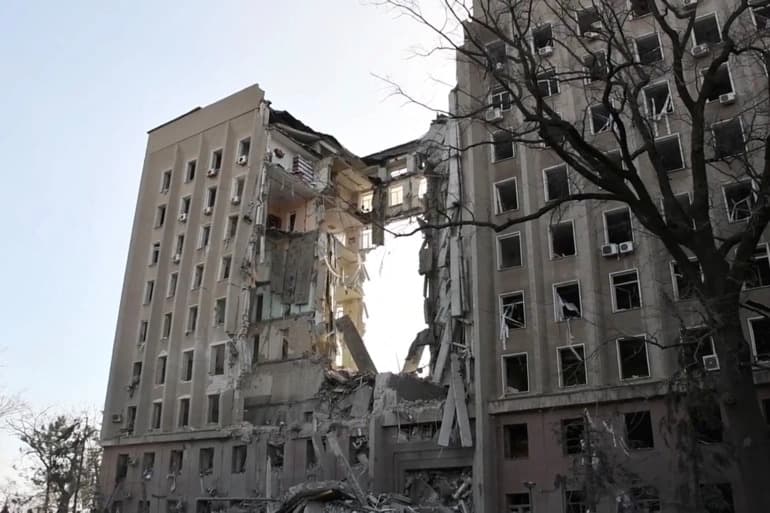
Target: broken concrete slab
[[461, 408], [356, 345], [412, 361], [362, 399]]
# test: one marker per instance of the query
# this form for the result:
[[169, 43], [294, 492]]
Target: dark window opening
[[632, 353], [239, 459], [136, 373], [706, 30], [157, 415], [160, 216], [601, 118], [206, 460], [219, 311], [658, 100], [148, 463], [759, 274], [226, 265], [218, 359], [190, 173], [216, 160], [696, 345], [626, 289], [175, 461], [130, 419], [760, 332], [639, 430], [184, 412], [513, 310], [497, 54], [310, 457], [516, 374], [185, 206], [766, 409], [762, 17], [575, 501], [739, 199], [648, 49], [166, 181], [573, 431], [669, 153], [640, 500], [211, 197], [155, 255], [274, 222], [515, 441], [568, 302], [212, 415], [244, 147], [121, 470], [502, 145], [675, 219], [640, 8], [728, 139], [285, 349], [509, 250], [542, 37], [685, 288], [167, 321], [717, 498], [720, 82], [548, 83], [706, 421], [506, 197], [275, 453], [501, 100], [589, 21], [192, 319], [556, 183], [619, 227], [596, 67], [160, 370], [572, 366], [256, 305], [518, 502], [255, 349], [562, 239], [292, 221]]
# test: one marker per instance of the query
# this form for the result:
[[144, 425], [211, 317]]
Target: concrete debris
[[412, 361], [356, 345]]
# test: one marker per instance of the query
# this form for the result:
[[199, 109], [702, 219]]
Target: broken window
[[160, 216], [684, 288], [760, 268], [502, 145], [149, 287], [179, 245], [212, 410], [601, 118], [500, 99], [705, 30], [639, 430], [728, 138], [515, 441], [639, 8], [166, 325], [518, 502], [217, 360], [165, 182], [157, 413], [173, 278], [211, 197], [160, 370], [184, 412], [396, 195], [255, 349], [155, 254], [632, 356], [219, 311], [121, 470], [739, 200], [669, 152], [542, 37], [589, 21], [762, 17], [232, 227], [187, 365], [497, 55], [720, 82], [509, 251], [203, 240], [238, 190], [706, 419], [206, 460], [184, 207], [244, 147], [512, 307], [515, 373], [575, 501], [216, 160], [192, 318], [573, 431], [626, 293], [224, 268], [658, 100], [148, 463], [506, 197], [567, 301], [562, 239], [556, 182], [275, 454], [365, 202], [239, 459], [697, 344], [143, 331], [197, 277], [130, 419], [136, 372], [717, 498], [618, 225], [572, 365], [648, 49], [640, 500], [596, 67], [548, 83], [189, 174], [175, 461], [760, 336]]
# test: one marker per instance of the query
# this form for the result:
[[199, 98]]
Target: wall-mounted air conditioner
[[207, 211], [609, 250], [626, 247], [494, 114], [182, 217], [711, 362], [235, 200], [545, 51], [727, 98], [699, 51], [242, 160], [212, 172]]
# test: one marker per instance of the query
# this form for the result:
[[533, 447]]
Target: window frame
[[218, 409], [499, 251], [606, 226], [496, 195], [503, 373], [671, 105], [504, 98], [620, 362], [715, 14], [216, 319], [531, 36], [500, 305], [560, 365], [743, 138], [766, 256], [172, 285], [193, 284], [225, 267], [545, 180], [493, 146], [393, 189], [555, 80], [157, 405], [183, 361], [702, 81], [588, 80], [634, 16], [608, 127], [553, 256], [557, 315], [672, 266], [637, 55], [681, 150], [213, 347], [752, 337], [613, 292], [221, 152], [160, 370], [190, 165], [191, 323], [754, 17], [180, 400], [753, 189]]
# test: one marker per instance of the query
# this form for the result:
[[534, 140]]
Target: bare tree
[[647, 106]]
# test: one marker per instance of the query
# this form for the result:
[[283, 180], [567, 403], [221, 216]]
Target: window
[[684, 288], [165, 182], [502, 145], [218, 359], [512, 309], [143, 331], [189, 174], [706, 419], [192, 319], [640, 500], [224, 268], [515, 441], [219, 311], [696, 345], [121, 471], [239, 459], [562, 239], [500, 99], [205, 236], [567, 301], [648, 49], [683, 199], [617, 224], [766, 409], [515, 374], [497, 54], [728, 138], [179, 244], [366, 202], [206, 460], [596, 67], [760, 268], [572, 365], [149, 287], [626, 294], [396, 195], [575, 501], [148, 463], [173, 278], [632, 355], [509, 251], [739, 200], [721, 82], [601, 118], [639, 430], [216, 160], [366, 239], [760, 337], [556, 182], [762, 17], [167, 318], [212, 410], [232, 227], [160, 216], [542, 37], [291, 221], [589, 21], [175, 461], [705, 30], [573, 431], [157, 412], [155, 253], [717, 498], [548, 83], [658, 101], [506, 197], [160, 370], [256, 306], [255, 349], [211, 197], [184, 412], [184, 206], [244, 147], [136, 372], [669, 153], [130, 419], [187, 365], [197, 277], [518, 503], [422, 187], [639, 8]]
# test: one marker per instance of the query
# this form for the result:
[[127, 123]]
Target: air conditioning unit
[[727, 98], [699, 51], [494, 114], [711, 362], [182, 217], [545, 51], [212, 172], [609, 250], [133, 461], [117, 418], [235, 200], [177, 258], [207, 211], [242, 160], [626, 247], [591, 35]]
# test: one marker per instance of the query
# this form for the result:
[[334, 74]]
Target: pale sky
[[82, 83]]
